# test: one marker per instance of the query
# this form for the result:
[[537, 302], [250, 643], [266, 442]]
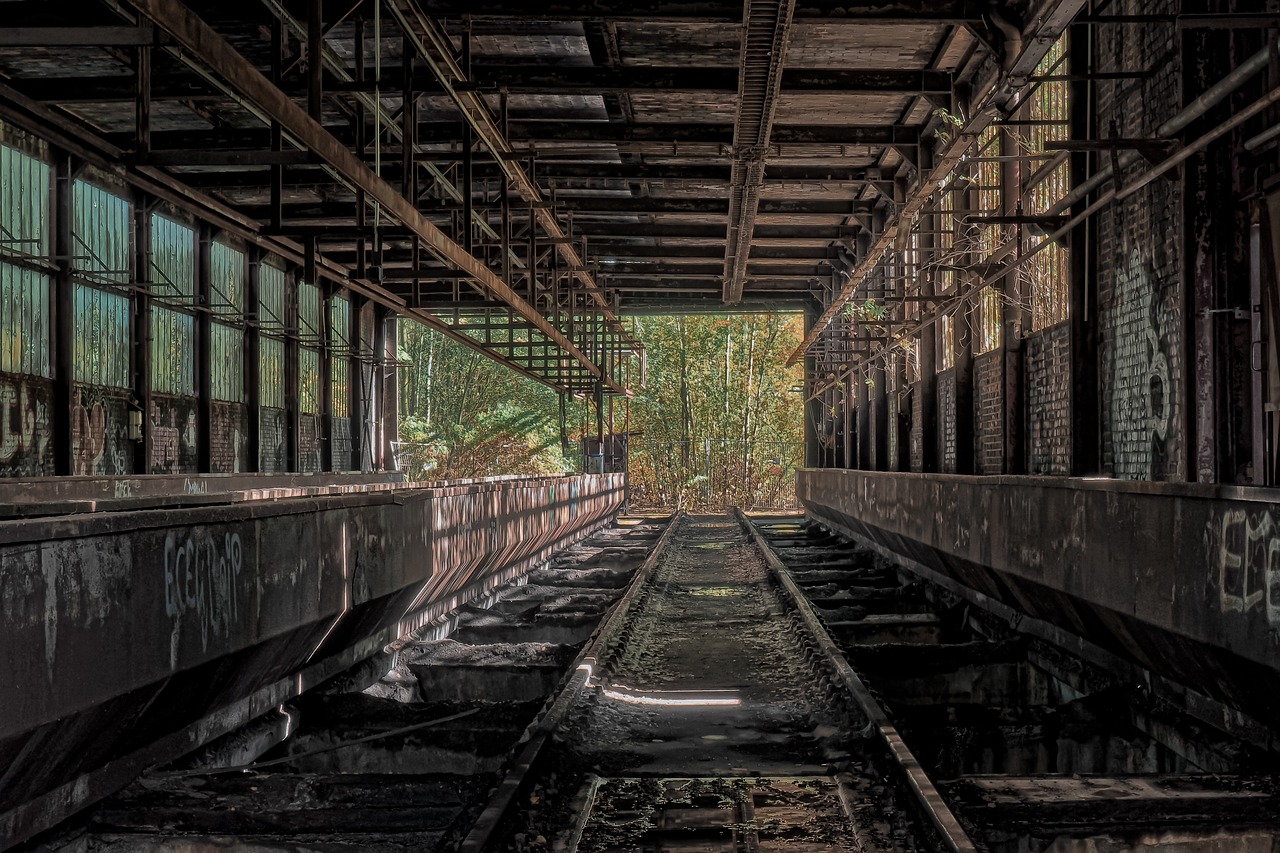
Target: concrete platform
[[131, 637]]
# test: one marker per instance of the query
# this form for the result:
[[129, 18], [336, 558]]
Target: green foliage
[[869, 310], [715, 424], [721, 426], [464, 415]]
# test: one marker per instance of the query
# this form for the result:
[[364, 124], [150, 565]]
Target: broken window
[[988, 315], [340, 355], [101, 249], [25, 268], [271, 313], [946, 273], [1046, 182], [173, 252], [310, 336], [227, 270]]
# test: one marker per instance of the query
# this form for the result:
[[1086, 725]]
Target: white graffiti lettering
[[23, 424], [200, 572], [1247, 547]]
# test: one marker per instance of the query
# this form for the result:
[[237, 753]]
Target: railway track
[[715, 684]]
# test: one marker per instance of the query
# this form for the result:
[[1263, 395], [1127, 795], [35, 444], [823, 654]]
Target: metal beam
[[536, 80], [550, 138], [993, 101], [712, 11], [219, 56], [766, 33], [436, 48], [669, 133], [704, 174], [712, 206], [77, 37]]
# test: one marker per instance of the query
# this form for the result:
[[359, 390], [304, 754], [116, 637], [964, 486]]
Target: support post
[[204, 353], [253, 363], [142, 328], [1016, 324], [65, 169], [277, 136], [927, 387], [1086, 439], [390, 393], [142, 72], [812, 408]]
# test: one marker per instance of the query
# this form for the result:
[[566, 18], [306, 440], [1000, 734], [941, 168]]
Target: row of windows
[[1043, 180], [103, 242]]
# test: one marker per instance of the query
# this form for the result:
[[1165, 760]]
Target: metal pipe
[[1255, 142], [1107, 198], [1209, 99]]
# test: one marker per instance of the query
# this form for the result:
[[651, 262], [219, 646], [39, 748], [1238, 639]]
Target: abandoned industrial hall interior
[[623, 426]]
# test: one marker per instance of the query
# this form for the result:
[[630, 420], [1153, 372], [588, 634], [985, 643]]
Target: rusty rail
[[590, 662], [931, 803]]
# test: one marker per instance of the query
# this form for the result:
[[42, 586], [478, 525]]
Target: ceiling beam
[[712, 206], [522, 80], [709, 173], [77, 37], [712, 11], [202, 43], [436, 48], [766, 33], [667, 133]]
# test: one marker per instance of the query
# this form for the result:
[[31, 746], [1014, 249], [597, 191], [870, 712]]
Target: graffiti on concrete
[[1141, 396], [200, 580], [1246, 546], [24, 428]]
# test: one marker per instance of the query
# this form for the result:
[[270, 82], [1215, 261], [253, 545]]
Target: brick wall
[[1140, 261], [230, 438], [100, 431], [342, 444], [309, 444], [26, 446], [173, 435], [272, 429], [1048, 370], [947, 420], [988, 412]]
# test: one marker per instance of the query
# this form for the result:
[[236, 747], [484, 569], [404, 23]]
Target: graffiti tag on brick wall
[[200, 572], [99, 444], [272, 432], [24, 428], [88, 435], [1246, 546], [1141, 396], [173, 445]]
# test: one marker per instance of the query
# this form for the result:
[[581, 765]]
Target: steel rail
[[921, 786], [591, 661]]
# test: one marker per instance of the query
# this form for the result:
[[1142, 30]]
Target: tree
[[716, 424]]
